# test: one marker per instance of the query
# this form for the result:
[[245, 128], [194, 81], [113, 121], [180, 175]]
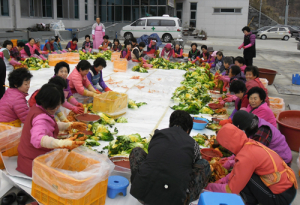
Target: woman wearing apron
[[98, 31]]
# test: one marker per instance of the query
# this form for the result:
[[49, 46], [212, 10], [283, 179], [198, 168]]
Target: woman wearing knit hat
[[264, 132]]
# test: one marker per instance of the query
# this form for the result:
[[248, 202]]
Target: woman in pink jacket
[[78, 81], [30, 51], [13, 104], [259, 107], [40, 131], [167, 52]]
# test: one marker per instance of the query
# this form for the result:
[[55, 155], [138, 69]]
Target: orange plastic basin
[[289, 125]]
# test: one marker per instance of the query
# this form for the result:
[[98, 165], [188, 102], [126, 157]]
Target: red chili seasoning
[[88, 117]]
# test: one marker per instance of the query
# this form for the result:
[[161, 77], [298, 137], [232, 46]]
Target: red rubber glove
[[77, 110], [79, 105], [224, 122], [107, 89], [98, 92]]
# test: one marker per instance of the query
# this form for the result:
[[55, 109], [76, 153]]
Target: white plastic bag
[[71, 175]]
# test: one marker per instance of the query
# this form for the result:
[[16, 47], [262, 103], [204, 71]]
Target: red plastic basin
[[215, 106], [268, 74], [289, 125], [208, 153]]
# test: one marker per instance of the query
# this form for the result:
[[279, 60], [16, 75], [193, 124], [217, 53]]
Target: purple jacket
[[13, 106], [278, 143], [239, 76], [68, 90], [96, 78]]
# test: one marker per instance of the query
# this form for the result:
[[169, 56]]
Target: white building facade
[[218, 18]]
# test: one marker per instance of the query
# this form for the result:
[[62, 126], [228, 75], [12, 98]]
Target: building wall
[[217, 25], [25, 22]]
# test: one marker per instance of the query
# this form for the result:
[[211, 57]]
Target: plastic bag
[[9, 137], [264, 81], [277, 105], [57, 25], [71, 175]]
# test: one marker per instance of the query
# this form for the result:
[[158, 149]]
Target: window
[[167, 23], [282, 29], [127, 2], [86, 17], [179, 8], [119, 14], [227, 10], [193, 16], [110, 14], [162, 2], [140, 23], [47, 8], [59, 9], [127, 13], [4, 8], [153, 11], [69, 9], [135, 12], [273, 29], [161, 10], [153, 2], [118, 2], [102, 13], [76, 9], [95, 9], [179, 23], [153, 22]]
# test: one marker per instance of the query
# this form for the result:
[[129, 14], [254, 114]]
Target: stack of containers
[[120, 65], [76, 178], [115, 56], [277, 105], [10, 140]]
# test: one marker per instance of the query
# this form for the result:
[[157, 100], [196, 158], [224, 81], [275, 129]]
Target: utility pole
[[259, 13], [286, 13]]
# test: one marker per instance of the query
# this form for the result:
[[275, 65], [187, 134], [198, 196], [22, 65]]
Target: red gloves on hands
[[224, 122], [77, 110], [98, 92], [107, 89], [79, 105]]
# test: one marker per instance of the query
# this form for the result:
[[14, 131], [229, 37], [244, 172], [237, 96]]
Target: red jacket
[[27, 152], [251, 158]]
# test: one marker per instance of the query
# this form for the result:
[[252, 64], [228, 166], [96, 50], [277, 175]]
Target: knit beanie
[[242, 119]]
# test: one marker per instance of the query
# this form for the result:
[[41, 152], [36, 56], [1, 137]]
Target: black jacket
[[164, 176]]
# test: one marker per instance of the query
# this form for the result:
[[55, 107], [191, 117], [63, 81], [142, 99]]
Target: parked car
[[275, 32], [261, 29], [167, 28], [294, 30]]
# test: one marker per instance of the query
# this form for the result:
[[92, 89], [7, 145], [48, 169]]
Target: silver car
[[275, 32]]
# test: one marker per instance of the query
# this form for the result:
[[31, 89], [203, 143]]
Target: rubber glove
[[43, 58], [98, 92], [79, 105], [52, 143], [93, 37], [229, 164], [83, 50], [241, 46], [221, 78], [214, 187], [224, 180], [14, 62], [73, 101], [224, 122], [77, 110], [107, 89], [1, 55], [247, 46]]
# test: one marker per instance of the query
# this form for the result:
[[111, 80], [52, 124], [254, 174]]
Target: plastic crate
[[111, 103], [55, 58], [264, 81], [115, 56], [277, 105], [62, 183], [15, 42], [72, 58], [120, 65], [185, 55], [10, 153]]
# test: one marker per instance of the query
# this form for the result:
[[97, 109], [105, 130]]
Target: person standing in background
[[98, 31], [248, 46]]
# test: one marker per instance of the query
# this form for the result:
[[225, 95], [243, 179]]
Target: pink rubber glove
[[93, 37], [221, 78], [90, 50], [247, 46], [83, 50], [225, 159], [43, 58], [241, 46], [1, 55], [103, 33], [73, 101], [229, 164], [243, 108], [14, 62], [228, 99], [68, 105], [214, 187], [224, 180], [222, 102], [194, 61], [77, 110]]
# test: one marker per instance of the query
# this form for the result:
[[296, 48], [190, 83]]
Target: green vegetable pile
[[122, 120], [86, 56], [134, 105], [125, 143], [200, 139], [101, 132], [139, 68], [35, 63], [193, 95]]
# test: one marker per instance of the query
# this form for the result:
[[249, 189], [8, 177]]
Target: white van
[[167, 28]]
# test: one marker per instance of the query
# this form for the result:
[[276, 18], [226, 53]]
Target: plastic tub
[[268, 74], [199, 126], [264, 81], [208, 153], [215, 106], [15, 42], [289, 125], [122, 167]]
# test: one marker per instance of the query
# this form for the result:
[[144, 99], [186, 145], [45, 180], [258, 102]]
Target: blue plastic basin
[[199, 126]]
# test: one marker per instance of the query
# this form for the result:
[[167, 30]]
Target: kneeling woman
[[78, 81], [13, 104], [259, 175], [29, 51], [95, 75], [40, 130]]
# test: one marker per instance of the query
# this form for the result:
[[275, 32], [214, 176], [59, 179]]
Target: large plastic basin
[[268, 74], [289, 125]]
